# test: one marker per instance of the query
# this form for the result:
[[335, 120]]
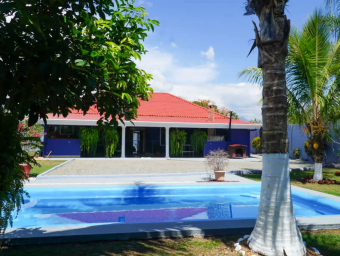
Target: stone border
[[126, 231], [55, 167]]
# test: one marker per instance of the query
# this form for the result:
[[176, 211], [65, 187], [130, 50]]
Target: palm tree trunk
[[318, 156], [275, 232], [317, 151]]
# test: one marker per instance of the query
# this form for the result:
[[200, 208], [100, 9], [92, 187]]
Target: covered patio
[[150, 134]]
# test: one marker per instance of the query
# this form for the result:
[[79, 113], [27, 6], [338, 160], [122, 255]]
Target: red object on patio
[[237, 151], [26, 169]]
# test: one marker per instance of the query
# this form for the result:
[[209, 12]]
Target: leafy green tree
[[256, 121], [205, 103], [222, 110], [61, 54], [12, 177], [226, 112], [58, 55], [274, 234]]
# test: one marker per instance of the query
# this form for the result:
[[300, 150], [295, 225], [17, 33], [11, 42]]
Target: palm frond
[[333, 5], [252, 75]]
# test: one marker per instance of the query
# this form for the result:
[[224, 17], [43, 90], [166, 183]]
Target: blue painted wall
[[238, 136], [253, 135], [62, 147], [297, 138]]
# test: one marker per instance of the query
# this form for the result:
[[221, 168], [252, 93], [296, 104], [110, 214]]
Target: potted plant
[[217, 161]]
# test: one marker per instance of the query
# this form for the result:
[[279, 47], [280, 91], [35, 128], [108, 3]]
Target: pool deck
[[137, 179]]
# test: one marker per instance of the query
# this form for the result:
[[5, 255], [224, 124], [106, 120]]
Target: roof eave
[[154, 124]]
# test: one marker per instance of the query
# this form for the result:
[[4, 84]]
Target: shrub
[[296, 153], [257, 144], [337, 174], [309, 179]]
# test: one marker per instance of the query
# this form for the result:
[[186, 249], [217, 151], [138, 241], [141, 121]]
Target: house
[[149, 134]]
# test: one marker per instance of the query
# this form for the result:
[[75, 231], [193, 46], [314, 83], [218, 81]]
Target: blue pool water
[[144, 204]]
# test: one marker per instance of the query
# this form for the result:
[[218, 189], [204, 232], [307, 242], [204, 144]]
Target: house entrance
[[144, 142]]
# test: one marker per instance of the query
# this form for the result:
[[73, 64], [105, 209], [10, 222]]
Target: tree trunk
[[275, 232], [317, 148], [317, 171]]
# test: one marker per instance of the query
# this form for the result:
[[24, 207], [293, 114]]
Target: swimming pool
[[53, 207]]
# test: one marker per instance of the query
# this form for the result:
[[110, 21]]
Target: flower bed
[[309, 179]]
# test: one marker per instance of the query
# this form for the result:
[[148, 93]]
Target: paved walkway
[[95, 166], [135, 171]]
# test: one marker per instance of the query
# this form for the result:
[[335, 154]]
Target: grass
[[44, 166], [296, 177], [326, 241]]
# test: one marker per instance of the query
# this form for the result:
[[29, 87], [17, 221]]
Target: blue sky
[[201, 45]]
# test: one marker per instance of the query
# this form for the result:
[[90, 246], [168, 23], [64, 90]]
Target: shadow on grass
[[106, 246]]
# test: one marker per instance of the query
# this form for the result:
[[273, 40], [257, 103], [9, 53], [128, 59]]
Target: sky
[[201, 46]]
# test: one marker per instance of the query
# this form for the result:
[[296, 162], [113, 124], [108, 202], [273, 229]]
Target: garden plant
[[177, 140], [197, 140], [256, 143]]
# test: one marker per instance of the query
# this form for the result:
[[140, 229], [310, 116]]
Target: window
[[66, 130], [162, 137], [62, 132]]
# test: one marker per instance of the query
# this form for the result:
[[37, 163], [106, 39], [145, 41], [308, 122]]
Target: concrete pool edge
[[149, 230]]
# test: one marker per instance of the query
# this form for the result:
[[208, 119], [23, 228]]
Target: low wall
[[62, 147]]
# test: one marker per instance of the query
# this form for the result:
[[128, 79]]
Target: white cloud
[[173, 44], [210, 54], [144, 3], [197, 82], [195, 74], [241, 98]]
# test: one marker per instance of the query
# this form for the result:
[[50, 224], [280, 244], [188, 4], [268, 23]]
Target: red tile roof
[[162, 107]]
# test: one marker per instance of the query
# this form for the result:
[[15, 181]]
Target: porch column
[[167, 142], [123, 142]]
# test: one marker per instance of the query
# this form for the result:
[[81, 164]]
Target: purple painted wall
[[238, 136], [62, 147]]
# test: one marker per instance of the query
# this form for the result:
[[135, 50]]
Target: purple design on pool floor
[[135, 216]]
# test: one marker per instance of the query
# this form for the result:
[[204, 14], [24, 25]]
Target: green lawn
[[45, 165], [296, 177], [326, 241]]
